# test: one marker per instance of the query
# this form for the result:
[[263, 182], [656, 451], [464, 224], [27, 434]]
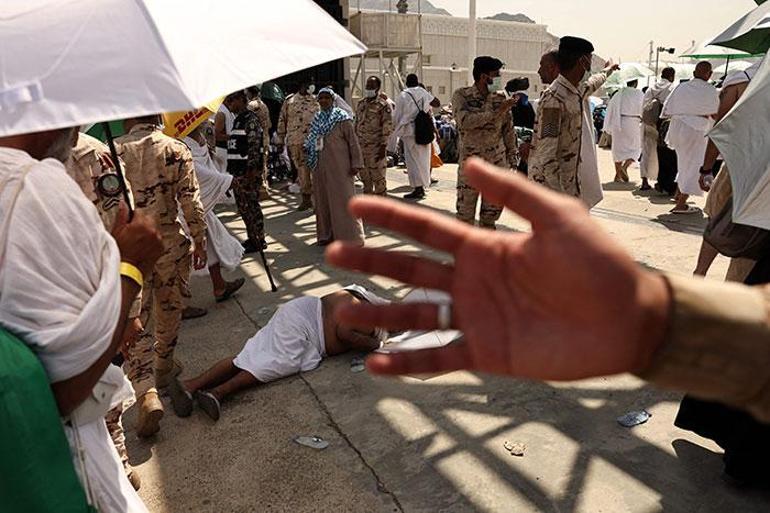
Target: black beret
[[575, 45], [486, 63]]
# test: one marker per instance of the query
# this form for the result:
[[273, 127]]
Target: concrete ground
[[425, 445]]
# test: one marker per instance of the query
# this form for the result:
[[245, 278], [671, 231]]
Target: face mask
[[496, 85], [311, 89], [370, 93]]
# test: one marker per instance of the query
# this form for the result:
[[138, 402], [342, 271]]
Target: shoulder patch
[[551, 122]]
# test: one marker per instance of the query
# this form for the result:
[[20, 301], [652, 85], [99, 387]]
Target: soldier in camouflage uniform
[[374, 124], [244, 161], [555, 156], [486, 130], [162, 175], [297, 113], [258, 107], [92, 169]]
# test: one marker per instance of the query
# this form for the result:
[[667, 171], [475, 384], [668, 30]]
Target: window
[[441, 90], [429, 88], [426, 60]]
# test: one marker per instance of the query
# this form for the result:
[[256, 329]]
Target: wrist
[[654, 304]]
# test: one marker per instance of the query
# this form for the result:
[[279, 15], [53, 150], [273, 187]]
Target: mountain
[[504, 16], [382, 5]]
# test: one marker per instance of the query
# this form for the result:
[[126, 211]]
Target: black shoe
[[433, 181], [417, 193], [250, 247]]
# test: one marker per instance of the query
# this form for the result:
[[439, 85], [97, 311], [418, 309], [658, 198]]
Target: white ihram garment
[[222, 248], [417, 156], [60, 293], [690, 107], [292, 342], [624, 120], [588, 169]]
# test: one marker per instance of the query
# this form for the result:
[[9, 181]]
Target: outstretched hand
[[563, 302]]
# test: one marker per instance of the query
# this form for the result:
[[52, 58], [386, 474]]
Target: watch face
[[109, 185]]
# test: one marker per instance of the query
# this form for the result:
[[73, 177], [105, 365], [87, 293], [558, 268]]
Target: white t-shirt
[[409, 102]]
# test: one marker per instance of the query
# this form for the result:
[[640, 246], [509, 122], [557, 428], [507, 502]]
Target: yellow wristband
[[132, 272]]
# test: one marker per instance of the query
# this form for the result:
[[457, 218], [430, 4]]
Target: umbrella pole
[[118, 170], [727, 66], [267, 270]]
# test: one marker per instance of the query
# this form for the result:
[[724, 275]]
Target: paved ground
[[428, 445]]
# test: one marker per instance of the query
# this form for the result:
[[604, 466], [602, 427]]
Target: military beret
[[575, 45], [486, 63]]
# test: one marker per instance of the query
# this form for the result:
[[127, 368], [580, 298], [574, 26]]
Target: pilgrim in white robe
[[417, 156], [624, 124], [293, 340], [649, 164], [222, 247], [691, 107], [60, 293]]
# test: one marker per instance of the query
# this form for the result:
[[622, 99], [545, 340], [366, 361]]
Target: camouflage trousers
[[374, 171], [114, 420], [297, 156], [163, 297], [467, 200], [246, 190]]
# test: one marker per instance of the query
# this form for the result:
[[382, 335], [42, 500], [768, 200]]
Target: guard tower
[[394, 42]]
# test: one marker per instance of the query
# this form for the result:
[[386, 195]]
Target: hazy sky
[[625, 29]]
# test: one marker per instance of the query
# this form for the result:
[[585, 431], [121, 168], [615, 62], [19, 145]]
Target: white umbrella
[[628, 72], [76, 62], [743, 138]]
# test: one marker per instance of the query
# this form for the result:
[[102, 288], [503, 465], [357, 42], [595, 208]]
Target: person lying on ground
[[526, 314], [299, 335]]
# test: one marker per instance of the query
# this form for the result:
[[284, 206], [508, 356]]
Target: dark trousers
[[668, 170], [246, 190]]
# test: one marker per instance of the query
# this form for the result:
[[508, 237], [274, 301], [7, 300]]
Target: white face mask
[[311, 89], [370, 93], [496, 85]]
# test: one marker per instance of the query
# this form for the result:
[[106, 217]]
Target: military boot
[[150, 413], [166, 369]]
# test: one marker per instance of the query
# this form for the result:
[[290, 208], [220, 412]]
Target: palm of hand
[[532, 304]]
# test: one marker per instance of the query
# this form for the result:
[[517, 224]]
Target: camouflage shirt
[[297, 113], [162, 175], [85, 167], [484, 133], [374, 122], [555, 154]]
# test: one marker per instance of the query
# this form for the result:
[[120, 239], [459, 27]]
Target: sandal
[[231, 287], [209, 404]]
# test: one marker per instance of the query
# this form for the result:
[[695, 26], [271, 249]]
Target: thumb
[[122, 218]]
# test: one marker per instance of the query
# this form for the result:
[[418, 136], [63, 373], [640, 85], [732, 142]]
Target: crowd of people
[[116, 290]]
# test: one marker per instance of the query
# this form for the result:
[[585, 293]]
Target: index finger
[[432, 229]]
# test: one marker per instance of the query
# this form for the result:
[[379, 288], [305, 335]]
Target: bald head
[[703, 70], [669, 74]]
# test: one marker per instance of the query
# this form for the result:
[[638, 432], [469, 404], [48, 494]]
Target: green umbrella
[[97, 130], [750, 34], [271, 91], [709, 51]]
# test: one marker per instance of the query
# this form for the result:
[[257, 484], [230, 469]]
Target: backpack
[[651, 112], [424, 131]]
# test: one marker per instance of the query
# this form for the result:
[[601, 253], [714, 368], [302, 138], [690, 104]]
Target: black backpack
[[424, 131]]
